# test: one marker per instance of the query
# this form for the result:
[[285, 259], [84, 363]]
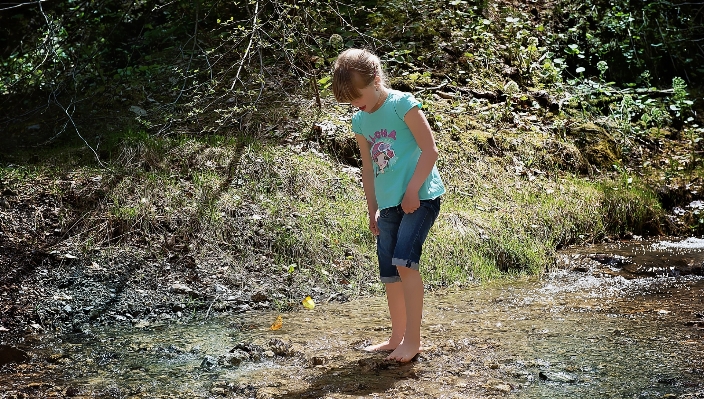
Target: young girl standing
[[402, 187]]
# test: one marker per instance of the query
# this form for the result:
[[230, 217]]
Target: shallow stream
[[614, 321]]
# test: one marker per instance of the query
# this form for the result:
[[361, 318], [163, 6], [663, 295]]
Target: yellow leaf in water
[[308, 303], [278, 323]]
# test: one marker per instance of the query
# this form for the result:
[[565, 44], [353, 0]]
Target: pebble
[[505, 388], [181, 288], [141, 324]]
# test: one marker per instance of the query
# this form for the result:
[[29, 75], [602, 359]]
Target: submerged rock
[[208, 363], [255, 352], [557, 377], [611, 260]]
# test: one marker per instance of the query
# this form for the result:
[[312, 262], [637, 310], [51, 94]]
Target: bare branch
[[56, 101], [249, 46], [18, 5]]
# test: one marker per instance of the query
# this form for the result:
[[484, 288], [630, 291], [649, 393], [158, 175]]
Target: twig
[[211, 305], [188, 67], [249, 46], [97, 158], [22, 5], [422, 89]]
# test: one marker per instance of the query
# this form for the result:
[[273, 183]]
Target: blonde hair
[[353, 70]]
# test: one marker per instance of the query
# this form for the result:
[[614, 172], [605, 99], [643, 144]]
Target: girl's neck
[[383, 93]]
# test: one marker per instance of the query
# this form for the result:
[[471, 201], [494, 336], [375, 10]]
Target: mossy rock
[[597, 146], [488, 143], [562, 155]]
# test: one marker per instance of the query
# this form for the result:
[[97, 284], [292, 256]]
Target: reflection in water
[[573, 334]]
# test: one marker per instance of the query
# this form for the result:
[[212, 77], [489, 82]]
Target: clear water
[[586, 334]]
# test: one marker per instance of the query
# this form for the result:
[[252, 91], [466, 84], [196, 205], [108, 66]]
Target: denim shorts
[[401, 237]]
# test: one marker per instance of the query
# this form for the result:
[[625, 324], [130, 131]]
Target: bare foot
[[405, 352], [384, 346]]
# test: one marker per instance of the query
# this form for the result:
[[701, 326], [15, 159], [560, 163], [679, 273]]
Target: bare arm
[[368, 182], [418, 124]]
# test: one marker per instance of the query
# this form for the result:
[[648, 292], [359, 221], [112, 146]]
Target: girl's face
[[369, 99]]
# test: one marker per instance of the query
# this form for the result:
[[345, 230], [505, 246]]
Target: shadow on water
[[9, 354], [363, 377]]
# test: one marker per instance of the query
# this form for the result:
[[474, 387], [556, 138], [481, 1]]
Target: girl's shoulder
[[402, 102], [398, 95]]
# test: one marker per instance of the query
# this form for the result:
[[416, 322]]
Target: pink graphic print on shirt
[[382, 151]]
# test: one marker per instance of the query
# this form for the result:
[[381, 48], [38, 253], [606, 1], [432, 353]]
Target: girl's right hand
[[373, 227]]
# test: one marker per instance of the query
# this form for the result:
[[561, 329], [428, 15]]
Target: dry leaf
[[308, 303], [278, 323]]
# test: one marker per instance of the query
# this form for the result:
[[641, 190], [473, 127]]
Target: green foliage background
[[199, 67]]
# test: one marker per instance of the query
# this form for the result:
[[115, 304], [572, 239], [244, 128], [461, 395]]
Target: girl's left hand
[[410, 202]]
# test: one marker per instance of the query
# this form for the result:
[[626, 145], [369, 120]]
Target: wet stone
[[499, 386], [281, 348], [318, 360], [208, 363], [234, 358], [611, 260], [557, 377], [56, 357], [255, 352]]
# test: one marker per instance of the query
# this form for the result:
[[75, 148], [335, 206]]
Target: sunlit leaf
[[308, 303], [278, 323]]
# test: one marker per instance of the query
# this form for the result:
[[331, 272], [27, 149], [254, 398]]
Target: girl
[[401, 184]]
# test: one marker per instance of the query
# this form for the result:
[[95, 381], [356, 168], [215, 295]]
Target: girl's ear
[[377, 81]]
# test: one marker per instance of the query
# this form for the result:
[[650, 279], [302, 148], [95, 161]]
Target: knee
[[407, 271]]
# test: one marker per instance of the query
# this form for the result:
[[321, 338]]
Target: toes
[[402, 357]]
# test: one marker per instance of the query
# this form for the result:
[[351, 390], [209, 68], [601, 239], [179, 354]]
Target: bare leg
[[413, 299], [397, 310]]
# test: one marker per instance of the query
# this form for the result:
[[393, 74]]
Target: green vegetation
[[208, 128]]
